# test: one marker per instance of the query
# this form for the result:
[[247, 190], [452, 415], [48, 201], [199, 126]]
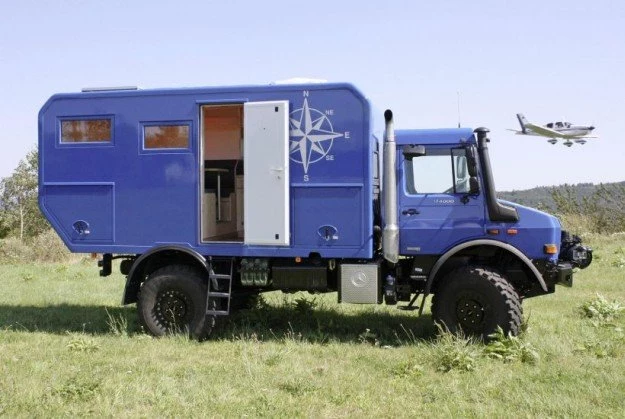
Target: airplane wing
[[546, 132], [517, 132]]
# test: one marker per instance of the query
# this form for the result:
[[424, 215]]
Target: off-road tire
[[474, 301], [173, 300]]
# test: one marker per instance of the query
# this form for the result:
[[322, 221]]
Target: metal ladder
[[216, 284]]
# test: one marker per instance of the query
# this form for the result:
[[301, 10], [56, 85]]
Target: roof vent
[[299, 80], [108, 89]]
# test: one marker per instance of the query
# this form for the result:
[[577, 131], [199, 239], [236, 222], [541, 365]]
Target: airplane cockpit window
[[559, 125], [550, 125]]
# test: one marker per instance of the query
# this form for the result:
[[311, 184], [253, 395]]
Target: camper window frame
[[59, 131], [167, 150]]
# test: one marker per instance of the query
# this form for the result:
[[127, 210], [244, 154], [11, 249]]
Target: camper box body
[[270, 171]]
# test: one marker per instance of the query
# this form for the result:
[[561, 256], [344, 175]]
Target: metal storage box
[[360, 283]]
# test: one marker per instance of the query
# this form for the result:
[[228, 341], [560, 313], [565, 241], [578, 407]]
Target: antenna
[[458, 101]]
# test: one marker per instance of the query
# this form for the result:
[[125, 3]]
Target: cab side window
[[440, 171]]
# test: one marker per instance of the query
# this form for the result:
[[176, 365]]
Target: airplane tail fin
[[522, 121]]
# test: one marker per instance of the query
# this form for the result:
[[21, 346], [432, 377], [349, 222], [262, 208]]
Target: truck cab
[[457, 240]]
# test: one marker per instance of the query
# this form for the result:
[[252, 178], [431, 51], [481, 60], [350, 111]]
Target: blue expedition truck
[[211, 196]]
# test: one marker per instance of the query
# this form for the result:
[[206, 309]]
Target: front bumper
[[572, 255]]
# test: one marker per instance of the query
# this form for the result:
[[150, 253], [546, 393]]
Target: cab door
[[435, 208]]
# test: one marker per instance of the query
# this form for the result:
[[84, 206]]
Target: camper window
[[166, 136], [85, 130]]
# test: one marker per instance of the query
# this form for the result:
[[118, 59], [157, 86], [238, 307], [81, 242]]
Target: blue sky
[[548, 60]]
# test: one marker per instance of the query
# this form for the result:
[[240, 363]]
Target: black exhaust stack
[[496, 211]]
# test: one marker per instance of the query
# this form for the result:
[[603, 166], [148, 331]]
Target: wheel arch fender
[[440, 263], [154, 259]]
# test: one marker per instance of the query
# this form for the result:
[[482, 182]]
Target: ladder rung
[[217, 312], [219, 276], [214, 280], [219, 294]]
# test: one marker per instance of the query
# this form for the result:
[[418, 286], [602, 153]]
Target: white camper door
[[266, 173]]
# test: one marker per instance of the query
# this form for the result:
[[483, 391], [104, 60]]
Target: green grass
[[68, 348]]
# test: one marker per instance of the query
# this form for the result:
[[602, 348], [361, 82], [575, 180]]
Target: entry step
[[219, 294]]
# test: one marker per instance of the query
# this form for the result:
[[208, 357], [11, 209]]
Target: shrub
[[77, 389], [78, 343], [13, 250], [601, 310], [610, 348], [455, 352], [48, 247], [602, 212], [510, 348], [407, 368]]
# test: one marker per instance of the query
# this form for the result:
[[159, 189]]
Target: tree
[[19, 212]]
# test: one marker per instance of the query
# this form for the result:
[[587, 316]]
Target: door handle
[[410, 211]]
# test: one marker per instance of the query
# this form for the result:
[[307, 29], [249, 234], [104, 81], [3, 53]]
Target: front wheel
[[475, 301], [173, 300]]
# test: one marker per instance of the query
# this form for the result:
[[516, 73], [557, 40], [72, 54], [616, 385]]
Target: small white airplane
[[555, 130]]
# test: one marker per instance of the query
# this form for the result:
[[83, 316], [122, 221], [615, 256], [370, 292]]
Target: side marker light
[[551, 249]]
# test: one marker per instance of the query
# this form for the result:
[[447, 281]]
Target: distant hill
[[540, 197]]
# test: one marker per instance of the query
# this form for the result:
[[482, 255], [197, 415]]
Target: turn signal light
[[551, 249]]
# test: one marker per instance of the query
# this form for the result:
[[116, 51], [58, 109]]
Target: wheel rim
[[470, 312], [173, 309]]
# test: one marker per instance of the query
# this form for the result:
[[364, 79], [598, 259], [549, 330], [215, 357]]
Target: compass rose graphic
[[312, 135]]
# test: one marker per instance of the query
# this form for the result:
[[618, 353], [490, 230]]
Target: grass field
[[68, 348]]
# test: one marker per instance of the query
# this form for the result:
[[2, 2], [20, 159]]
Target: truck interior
[[222, 173]]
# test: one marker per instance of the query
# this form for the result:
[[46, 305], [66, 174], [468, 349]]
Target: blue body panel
[[535, 229], [133, 199]]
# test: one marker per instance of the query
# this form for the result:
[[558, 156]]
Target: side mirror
[[411, 151], [471, 162], [474, 186]]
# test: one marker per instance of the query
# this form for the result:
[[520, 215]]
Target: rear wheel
[[475, 301], [173, 300]]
